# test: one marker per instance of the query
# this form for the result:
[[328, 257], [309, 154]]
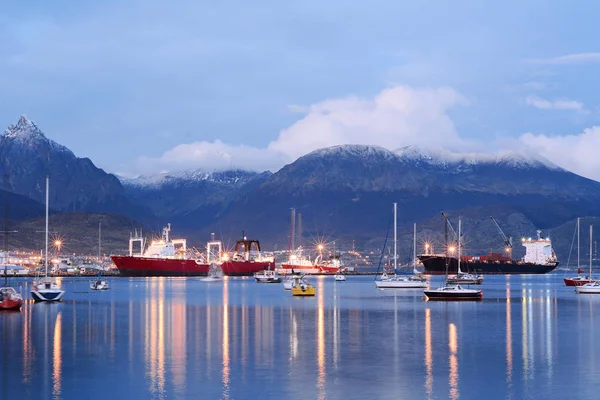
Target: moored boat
[[10, 299], [453, 292], [303, 288], [165, 257], [267, 276], [247, 259], [99, 284], [291, 280], [339, 278], [592, 287], [578, 280]]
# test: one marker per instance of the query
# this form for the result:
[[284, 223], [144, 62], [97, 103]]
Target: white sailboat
[[592, 287], [453, 292], [398, 281], [461, 277], [46, 288], [215, 274]]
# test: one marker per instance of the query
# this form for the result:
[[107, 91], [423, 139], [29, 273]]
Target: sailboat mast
[[591, 226], [578, 245], [47, 199], [395, 237], [414, 247], [99, 239], [459, 241]]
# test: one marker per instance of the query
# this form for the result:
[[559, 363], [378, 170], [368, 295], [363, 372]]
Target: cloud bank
[[577, 153], [560, 104], [395, 117]]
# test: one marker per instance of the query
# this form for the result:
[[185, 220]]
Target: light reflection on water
[[173, 338]]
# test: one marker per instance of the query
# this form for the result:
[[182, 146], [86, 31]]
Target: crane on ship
[[507, 240]]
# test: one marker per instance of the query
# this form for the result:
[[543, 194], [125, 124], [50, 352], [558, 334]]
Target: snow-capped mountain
[[76, 184], [179, 193], [235, 177]]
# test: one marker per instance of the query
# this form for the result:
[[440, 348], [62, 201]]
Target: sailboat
[[461, 277], [453, 292], [578, 280], [46, 288], [398, 281], [592, 287], [99, 284], [10, 299]]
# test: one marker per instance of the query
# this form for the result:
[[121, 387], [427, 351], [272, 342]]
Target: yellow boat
[[303, 289]]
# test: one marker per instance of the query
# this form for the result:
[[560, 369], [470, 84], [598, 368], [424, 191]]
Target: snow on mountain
[[27, 133], [231, 177]]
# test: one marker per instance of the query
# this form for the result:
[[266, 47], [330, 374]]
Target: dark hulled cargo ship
[[539, 259]]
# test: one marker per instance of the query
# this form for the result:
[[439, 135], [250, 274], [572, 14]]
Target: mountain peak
[[353, 150], [24, 128]]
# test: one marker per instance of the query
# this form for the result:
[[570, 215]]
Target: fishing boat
[[449, 292], [163, 257], [46, 288], [304, 289], [398, 281], [592, 287], [267, 276], [578, 280], [247, 259]]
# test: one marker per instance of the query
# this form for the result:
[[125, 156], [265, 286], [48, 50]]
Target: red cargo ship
[[165, 257], [247, 259]]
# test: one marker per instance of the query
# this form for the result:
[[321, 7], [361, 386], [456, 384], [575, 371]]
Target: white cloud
[[578, 58], [577, 153], [395, 117], [560, 104]]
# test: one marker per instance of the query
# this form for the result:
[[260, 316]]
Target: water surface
[[161, 338]]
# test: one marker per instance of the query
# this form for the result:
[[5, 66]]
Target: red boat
[[247, 259], [578, 280], [10, 299], [164, 257]]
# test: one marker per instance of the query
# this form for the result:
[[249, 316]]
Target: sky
[[142, 87]]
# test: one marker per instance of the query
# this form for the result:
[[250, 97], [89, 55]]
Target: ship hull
[[246, 268], [436, 265], [300, 269], [144, 266]]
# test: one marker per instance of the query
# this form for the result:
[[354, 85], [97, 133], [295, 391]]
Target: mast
[[47, 197], [293, 231], [415, 248], [578, 245], [99, 238], [591, 226], [395, 237], [459, 243]]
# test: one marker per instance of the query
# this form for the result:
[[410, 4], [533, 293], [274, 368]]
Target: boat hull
[[588, 290], [145, 266], [576, 282], [10, 304], [298, 269], [302, 290], [245, 268], [436, 265], [47, 295], [474, 295]]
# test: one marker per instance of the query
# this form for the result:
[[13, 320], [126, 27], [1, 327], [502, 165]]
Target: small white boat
[[340, 278], [465, 279], [267, 276], [291, 281], [589, 288], [399, 282], [99, 284], [46, 289], [215, 274]]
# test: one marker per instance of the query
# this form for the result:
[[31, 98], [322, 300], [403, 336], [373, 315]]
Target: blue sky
[[145, 86]]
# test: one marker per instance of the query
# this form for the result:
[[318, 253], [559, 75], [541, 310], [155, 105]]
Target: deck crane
[[507, 240]]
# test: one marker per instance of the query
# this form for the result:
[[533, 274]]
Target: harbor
[[527, 339]]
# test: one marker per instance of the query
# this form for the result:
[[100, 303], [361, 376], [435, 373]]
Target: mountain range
[[345, 193]]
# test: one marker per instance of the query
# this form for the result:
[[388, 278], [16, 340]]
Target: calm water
[[163, 338]]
